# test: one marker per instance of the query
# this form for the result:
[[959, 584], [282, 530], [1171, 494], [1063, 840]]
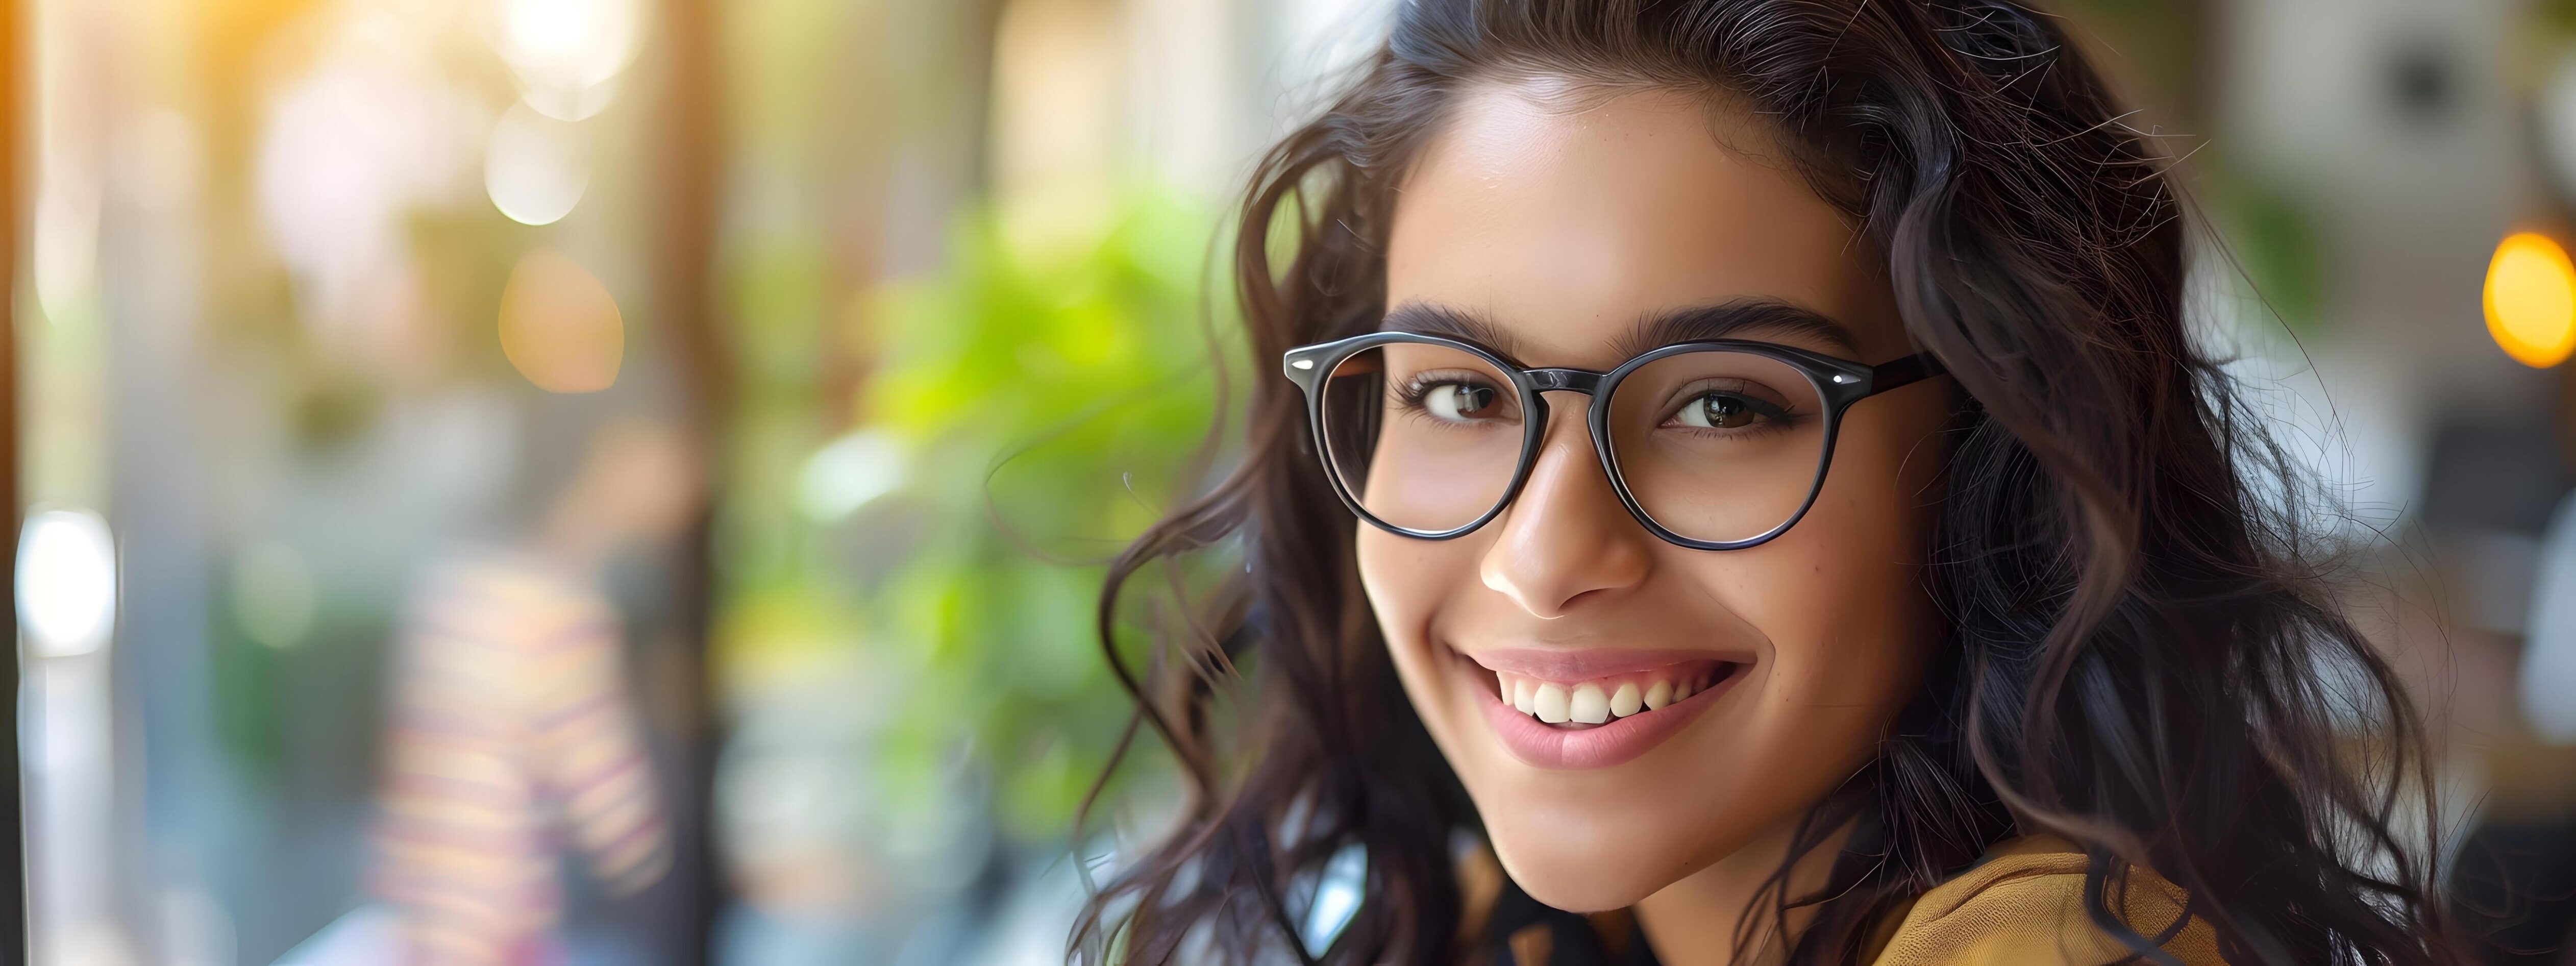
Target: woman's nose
[[1566, 538]]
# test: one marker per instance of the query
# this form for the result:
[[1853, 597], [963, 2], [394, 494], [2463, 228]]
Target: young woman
[[1741, 465]]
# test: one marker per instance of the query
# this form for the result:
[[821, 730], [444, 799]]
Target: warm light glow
[[2531, 300], [559, 325], [535, 168], [568, 53], [66, 583]]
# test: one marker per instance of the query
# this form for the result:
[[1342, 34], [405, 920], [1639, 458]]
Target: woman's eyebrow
[[1698, 323], [1732, 320], [1427, 318]]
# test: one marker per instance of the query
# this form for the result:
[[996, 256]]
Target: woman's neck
[[1694, 922]]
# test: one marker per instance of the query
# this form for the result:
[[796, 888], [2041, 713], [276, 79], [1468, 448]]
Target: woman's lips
[[1615, 742], [1586, 663]]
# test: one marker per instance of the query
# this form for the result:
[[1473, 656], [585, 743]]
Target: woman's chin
[[1579, 881]]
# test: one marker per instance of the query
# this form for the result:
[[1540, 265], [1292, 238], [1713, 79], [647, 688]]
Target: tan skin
[[1562, 220]]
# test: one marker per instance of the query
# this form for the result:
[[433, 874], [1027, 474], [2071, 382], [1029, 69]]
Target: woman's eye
[[1723, 410], [1460, 402]]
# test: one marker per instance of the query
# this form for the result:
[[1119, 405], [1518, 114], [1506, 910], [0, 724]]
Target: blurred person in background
[[513, 729], [1916, 591], [2495, 531]]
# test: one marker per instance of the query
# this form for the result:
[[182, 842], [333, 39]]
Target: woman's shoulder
[[2024, 903]]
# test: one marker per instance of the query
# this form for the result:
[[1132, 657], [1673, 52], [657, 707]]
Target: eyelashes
[[1731, 408], [1717, 409], [1456, 399]]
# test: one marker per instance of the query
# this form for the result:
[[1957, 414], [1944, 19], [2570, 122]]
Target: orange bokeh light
[[559, 325], [2531, 300]]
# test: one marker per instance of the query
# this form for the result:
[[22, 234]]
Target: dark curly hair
[[2142, 656]]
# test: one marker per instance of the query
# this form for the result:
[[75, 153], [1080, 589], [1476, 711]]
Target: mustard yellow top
[[2024, 904]]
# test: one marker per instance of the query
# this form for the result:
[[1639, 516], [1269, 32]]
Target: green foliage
[[1052, 403], [2275, 236]]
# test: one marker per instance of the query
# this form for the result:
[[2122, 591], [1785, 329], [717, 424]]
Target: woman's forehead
[[1563, 225]]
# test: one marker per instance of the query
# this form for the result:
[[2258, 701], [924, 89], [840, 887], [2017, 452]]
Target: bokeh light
[[346, 152], [566, 54], [848, 474], [66, 582], [535, 168], [2531, 300], [559, 325]]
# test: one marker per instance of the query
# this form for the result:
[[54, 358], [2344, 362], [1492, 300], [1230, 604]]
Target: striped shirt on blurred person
[[510, 733]]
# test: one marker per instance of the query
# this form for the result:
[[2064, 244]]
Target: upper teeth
[[1626, 702], [1550, 704], [1597, 701]]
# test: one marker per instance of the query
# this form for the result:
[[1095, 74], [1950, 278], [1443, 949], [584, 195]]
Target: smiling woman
[[1787, 520]]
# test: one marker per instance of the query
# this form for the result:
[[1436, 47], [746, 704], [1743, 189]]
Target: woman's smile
[[1588, 708], [1596, 722]]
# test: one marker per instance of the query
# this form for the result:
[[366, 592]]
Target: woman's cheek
[[1837, 639], [1406, 581], [1876, 613], [1840, 596], [1392, 575]]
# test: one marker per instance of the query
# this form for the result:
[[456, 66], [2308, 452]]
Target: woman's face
[[1560, 227]]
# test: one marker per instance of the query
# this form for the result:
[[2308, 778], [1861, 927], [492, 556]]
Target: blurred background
[[624, 481]]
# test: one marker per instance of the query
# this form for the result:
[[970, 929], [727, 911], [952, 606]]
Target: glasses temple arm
[[1904, 372]]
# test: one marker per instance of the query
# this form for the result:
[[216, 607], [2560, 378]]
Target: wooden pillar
[[692, 143], [14, 66]]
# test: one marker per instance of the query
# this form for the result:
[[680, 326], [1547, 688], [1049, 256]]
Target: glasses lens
[[1426, 437], [1718, 446]]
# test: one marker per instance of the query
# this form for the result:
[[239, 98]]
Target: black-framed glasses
[[1715, 445]]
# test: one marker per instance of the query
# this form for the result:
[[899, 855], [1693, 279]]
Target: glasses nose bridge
[[1584, 381]]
